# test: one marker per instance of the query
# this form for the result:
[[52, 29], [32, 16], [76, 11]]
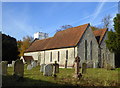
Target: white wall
[[44, 56], [33, 54]]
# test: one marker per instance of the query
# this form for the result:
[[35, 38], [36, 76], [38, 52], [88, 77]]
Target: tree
[[113, 42], [9, 48], [23, 45], [106, 21], [19, 45], [63, 27]]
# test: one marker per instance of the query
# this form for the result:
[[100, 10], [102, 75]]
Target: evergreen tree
[[9, 48], [113, 42]]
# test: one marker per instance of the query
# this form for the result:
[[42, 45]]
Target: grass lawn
[[93, 77]]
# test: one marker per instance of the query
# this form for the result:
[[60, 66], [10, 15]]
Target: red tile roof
[[28, 57], [100, 33], [66, 38]]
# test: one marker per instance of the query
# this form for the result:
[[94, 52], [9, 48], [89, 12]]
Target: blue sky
[[25, 18]]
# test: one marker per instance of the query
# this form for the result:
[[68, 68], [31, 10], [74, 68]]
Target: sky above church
[[25, 18]]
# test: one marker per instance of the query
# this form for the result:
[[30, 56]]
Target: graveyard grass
[[93, 77]]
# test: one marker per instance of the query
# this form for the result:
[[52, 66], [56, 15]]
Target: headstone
[[13, 62], [42, 67], [84, 67], [55, 68], [9, 65], [34, 64], [76, 65], [48, 69], [90, 64], [3, 65], [19, 68], [94, 65], [29, 67]]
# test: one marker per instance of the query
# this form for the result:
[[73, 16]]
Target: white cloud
[[98, 10]]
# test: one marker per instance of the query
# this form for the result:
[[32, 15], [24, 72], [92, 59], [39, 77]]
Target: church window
[[66, 54], [91, 50], [51, 57], [58, 56], [85, 49]]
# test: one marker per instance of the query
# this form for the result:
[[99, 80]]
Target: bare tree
[[107, 21], [63, 27]]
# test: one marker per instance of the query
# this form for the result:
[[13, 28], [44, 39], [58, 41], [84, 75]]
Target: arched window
[[85, 49], [58, 56], [66, 54], [51, 57], [91, 50]]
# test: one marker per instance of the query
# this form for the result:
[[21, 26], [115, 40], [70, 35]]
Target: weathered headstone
[[3, 65], [42, 67], [94, 65], [34, 64], [19, 68], [13, 62], [84, 67], [48, 69], [55, 68], [90, 64], [9, 65], [29, 67]]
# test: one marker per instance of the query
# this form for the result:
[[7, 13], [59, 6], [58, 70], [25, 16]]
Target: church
[[67, 44]]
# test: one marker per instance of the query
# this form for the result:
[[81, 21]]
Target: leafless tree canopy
[[106, 21], [63, 27]]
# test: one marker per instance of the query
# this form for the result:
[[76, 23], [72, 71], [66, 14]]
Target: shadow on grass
[[11, 81]]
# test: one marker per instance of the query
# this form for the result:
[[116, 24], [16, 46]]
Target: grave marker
[[29, 67], [48, 70], [84, 67], [42, 67], [3, 64], [19, 68], [34, 64], [55, 68], [76, 65]]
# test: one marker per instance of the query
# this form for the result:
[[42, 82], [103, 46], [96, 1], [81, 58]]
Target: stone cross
[[19, 68], [84, 67], [55, 68], [3, 65], [76, 66]]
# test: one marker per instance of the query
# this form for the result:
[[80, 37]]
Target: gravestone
[[42, 67], [55, 68], [48, 69], [34, 64], [84, 67], [13, 62], [19, 68], [3, 65], [90, 64], [29, 67], [9, 65]]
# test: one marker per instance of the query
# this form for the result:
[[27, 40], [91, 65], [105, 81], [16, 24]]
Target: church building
[[65, 45]]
